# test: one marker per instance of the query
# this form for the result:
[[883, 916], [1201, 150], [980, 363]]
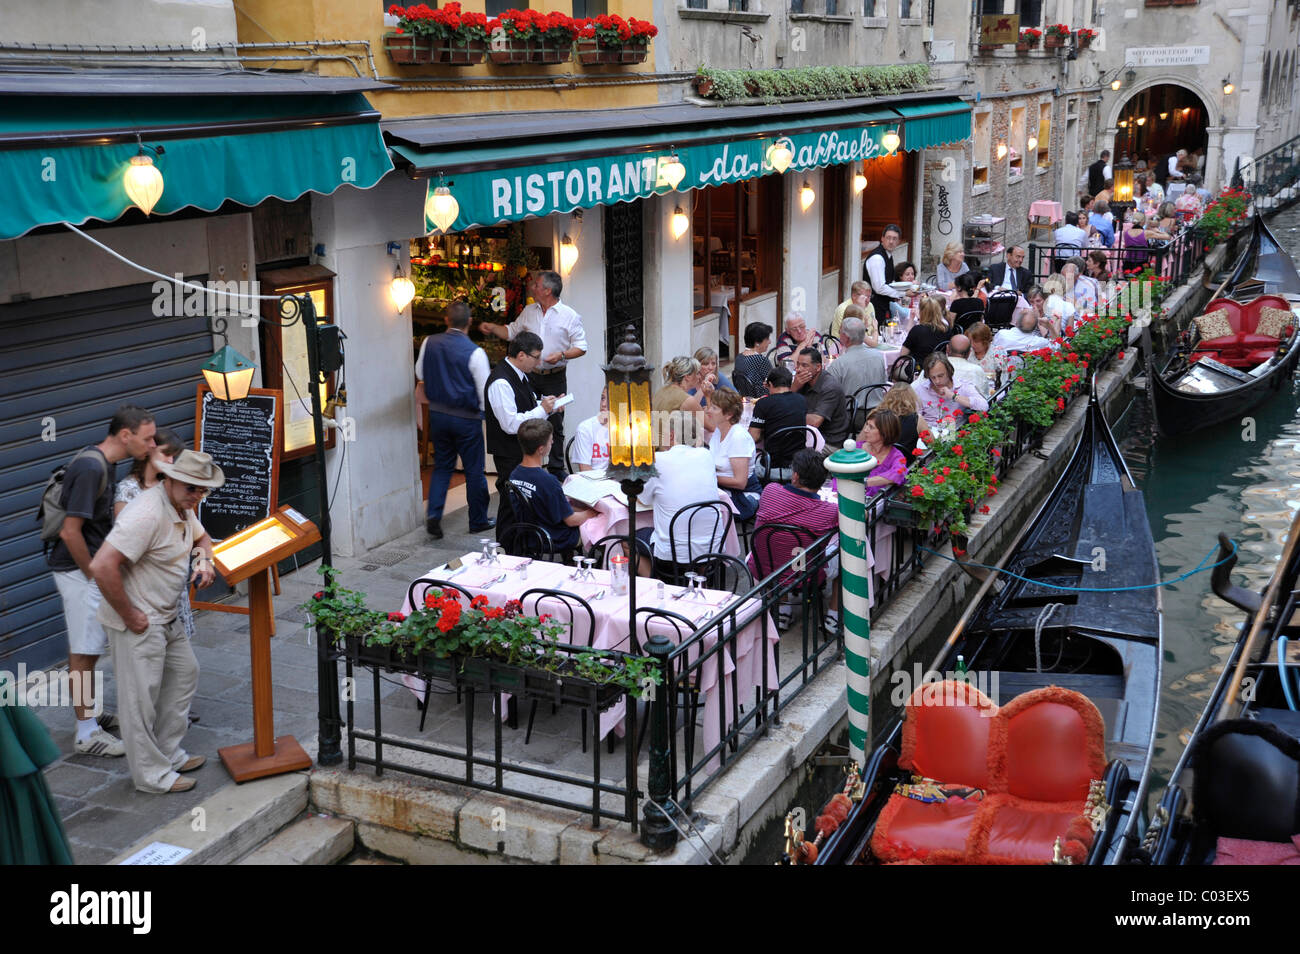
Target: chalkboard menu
[[244, 439]]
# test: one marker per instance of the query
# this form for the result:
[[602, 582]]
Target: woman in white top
[[686, 476], [952, 264], [1059, 312], [732, 448], [1080, 290]]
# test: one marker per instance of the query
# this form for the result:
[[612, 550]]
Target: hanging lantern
[[1164, 116], [1141, 120], [229, 374], [402, 290], [891, 141], [143, 182], [1123, 124], [780, 155], [681, 222], [807, 196], [631, 443], [672, 171], [441, 209], [1115, 84], [1227, 86], [859, 183], [568, 254]]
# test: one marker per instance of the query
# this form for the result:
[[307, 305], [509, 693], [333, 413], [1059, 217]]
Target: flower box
[[509, 52], [899, 512], [1053, 41], [703, 85], [407, 49], [592, 53], [550, 51], [1023, 47], [562, 688], [460, 54]]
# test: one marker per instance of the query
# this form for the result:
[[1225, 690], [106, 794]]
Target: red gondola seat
[[1244, 348]]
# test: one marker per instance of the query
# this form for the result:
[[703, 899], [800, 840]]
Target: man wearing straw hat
[[142, 569]]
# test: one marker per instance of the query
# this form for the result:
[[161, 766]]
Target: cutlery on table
[[499, 579]]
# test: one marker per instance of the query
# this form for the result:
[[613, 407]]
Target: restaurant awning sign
[[999, 28], [512, 194]]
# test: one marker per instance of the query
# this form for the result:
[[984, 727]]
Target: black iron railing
[[1171, 262], [1273, 179]]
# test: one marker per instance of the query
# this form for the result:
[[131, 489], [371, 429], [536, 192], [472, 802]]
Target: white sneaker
[[102, 744]]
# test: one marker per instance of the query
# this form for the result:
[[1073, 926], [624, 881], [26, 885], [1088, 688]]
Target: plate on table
[[902, 286]]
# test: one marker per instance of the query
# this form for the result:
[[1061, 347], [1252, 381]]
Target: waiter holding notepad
[[563, 340]]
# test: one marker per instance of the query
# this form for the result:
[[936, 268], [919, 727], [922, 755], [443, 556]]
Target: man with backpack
[[84, 497]]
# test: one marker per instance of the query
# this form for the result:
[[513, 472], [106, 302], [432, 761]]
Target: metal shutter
[[71, 361]]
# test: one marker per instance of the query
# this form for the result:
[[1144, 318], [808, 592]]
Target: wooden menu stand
[[249, 555]]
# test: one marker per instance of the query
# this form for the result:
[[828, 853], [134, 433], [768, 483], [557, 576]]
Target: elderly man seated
[[963, 369], [1022, 337], [796, 336], [940, 396]]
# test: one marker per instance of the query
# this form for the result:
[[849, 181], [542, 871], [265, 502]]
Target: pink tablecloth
[[1048, 209], [503, 581]]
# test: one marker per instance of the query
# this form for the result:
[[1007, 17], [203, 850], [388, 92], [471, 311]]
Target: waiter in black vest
[[878, 269], [1097, 173], [511, 400]]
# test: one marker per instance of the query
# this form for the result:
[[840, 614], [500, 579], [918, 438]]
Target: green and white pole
[[850, 467]]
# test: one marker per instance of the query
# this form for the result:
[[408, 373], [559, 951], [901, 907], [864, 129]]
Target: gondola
[[1234, 796], [1040, 751], [1205, 381]]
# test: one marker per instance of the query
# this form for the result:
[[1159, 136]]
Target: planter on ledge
[[591, 53], [1053, 41], [546, 51], [464, 54], [509, 52], [407, 49]]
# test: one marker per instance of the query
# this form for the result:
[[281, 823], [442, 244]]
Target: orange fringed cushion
[[946, 733]]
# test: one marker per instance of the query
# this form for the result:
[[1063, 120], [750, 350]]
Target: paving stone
[[69, 778], [98, 825]]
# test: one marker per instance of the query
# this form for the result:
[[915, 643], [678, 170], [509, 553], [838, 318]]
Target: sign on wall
[[1167, 55], [999, 28]]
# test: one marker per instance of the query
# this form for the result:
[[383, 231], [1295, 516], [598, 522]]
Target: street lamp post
[[229, 374]]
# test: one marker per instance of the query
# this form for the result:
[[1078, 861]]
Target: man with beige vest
[[142, 569]]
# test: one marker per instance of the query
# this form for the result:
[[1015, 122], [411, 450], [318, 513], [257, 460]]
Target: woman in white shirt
[[686, 476], [1060, 313], [732, 448]]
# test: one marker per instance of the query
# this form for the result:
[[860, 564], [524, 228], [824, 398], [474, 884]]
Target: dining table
[[611, 515], [745, 666]]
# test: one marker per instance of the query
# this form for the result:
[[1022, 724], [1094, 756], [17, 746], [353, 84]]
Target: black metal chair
[[681, 629], [526, 537], [568, 456], [415, 596], [858, 408], [773, 546], [831, 347], [713, 515], [903, 369], [1000, 308], [780, 438], [571, 611], [723, 572], [607, 546]]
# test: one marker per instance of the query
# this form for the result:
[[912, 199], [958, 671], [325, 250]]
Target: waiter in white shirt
[[878, 269], [1174, 162], [511, 400], [563, 340]]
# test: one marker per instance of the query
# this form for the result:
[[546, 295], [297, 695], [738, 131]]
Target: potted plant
[[1084, 37], [512, 34], [1029, 38], [608, 40], [411, 43], [1057, 34], [458, 38]]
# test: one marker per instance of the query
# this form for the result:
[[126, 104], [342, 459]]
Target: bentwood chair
[[608, 546], [784, 439], [774, 546], [526, 537], [678, 628], [859, 406], [576, 615], [687, 528], [415, 597], [723, 572], [1000, 308]]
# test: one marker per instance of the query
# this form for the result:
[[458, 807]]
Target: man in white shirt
[[965, 371], [1070, 233], [454, 372], [511, 400], [1021, 337], [563, 340], [878, 269], [1174, 171], [591, 446], [686, 476]]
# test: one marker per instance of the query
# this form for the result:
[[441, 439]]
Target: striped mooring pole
[[850, 467]]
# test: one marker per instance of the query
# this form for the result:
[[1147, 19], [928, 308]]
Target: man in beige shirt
[[142, 569]]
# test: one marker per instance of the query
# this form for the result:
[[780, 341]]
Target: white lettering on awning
[[593, 183], [536, 197], [615, 181], [554, 179], [500, 198]]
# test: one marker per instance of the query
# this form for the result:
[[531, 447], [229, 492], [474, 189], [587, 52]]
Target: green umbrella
[[30, 830]]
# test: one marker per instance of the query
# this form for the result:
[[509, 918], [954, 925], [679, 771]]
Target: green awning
[[927, 125], [64, 157], [507, 180]]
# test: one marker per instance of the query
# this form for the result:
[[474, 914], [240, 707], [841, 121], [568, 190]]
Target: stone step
[[234, 821], [312, 840]]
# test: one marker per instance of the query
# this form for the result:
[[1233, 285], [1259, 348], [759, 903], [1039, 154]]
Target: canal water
[[1234, 479]]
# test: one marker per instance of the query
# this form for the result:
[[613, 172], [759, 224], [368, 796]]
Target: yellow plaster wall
[[262, 21]]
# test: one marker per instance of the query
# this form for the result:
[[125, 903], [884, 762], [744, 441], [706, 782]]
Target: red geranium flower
[[318, 595], [964, 466], [997, 452], [947, 471], [958, 449], [918, 492], [917, 452], [395, 617], [984, 509], [958, 552], [938, 479], [925, 471], [975, 418], [478, 601]]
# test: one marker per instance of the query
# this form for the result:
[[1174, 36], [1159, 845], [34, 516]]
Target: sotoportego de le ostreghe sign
[[508, 195]]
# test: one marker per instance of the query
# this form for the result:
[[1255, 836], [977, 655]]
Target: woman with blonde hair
[[901, 399], [951, 264], [930, 331], [708, 359], [681, 377], [981, 348]]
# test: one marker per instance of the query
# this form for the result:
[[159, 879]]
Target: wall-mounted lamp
[[1002, 151], [1123, 124], [1164, 116], [680, 222], [401, 289], [568, 254], [859, 183], [807, 196], [1141, 120], [1227, 86], [1115, 84], [1031, 144], [891, 141]]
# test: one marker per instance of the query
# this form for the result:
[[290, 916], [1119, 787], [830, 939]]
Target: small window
[[494, 8], [590, 8], [1044, 135], [980, 159], [1016, 144], [869, 8], [905, 9], [1031, 13]]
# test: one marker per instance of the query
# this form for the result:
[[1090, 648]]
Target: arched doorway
[[1158, 121]]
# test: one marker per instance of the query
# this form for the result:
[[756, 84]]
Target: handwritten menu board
[[244, 438]]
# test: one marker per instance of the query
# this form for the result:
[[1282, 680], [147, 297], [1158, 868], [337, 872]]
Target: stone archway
[[1189, 102]]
